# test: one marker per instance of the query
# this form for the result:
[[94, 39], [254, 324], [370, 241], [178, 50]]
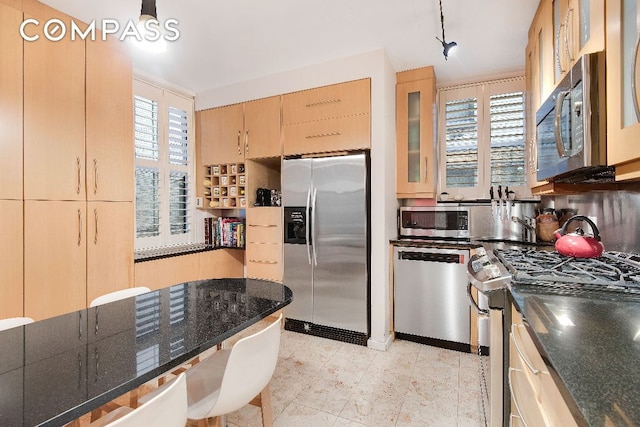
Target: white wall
[[375, 65]]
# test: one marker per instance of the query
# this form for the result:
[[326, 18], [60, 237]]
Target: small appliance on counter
[[263, 197]]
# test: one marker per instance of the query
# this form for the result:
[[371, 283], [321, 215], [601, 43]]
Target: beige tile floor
[[322, 383]]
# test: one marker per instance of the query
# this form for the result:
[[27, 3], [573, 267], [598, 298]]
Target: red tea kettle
[[577, 244]]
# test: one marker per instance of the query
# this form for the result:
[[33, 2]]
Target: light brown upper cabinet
[[578, 28], [220, 134], [55, 257], [623, 87], [415, 146], [10, 104], [11, 213], [54, 113], [539, 80], [326, 119], [262, 137], [109, 121]]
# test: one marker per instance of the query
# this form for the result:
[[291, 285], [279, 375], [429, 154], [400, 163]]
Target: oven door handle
[[481, 311], [558, 123]]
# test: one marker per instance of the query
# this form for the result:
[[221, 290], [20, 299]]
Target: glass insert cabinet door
[[415, 154], [623, 84]]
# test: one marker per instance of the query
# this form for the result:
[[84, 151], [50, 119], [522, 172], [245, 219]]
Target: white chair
[[230, 379], [118, 295], [13, 322], [104, 299], [165, 406]]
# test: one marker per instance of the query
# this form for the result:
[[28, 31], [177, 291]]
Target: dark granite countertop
[[55, 370], [591, 344]]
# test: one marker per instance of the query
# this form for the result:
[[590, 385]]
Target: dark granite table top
[[55, 370], [591, 344]]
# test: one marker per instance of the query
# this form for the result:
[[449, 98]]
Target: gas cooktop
[[613, 272]]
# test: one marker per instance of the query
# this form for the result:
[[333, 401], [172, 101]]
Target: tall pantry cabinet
[[11, 204], [78, 169]]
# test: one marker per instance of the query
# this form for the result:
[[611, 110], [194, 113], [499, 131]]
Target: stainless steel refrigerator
[[326, 246]]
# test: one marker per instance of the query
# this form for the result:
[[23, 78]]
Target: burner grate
[[613, 272]]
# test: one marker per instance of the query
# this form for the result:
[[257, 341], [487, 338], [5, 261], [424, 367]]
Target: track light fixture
[[446, 47]]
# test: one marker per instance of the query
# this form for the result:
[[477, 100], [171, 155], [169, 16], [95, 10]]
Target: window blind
[[146, 128], [147, 202], [461, 144], [507, 139], [178, 137]]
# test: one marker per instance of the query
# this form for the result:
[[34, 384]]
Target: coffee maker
[[263, 197]]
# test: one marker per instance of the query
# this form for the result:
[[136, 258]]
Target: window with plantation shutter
[[481, 137], [164, 167]]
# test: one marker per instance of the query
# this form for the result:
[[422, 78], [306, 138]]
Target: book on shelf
[[225, 232]]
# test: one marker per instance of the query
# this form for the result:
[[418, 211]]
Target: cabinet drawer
[[555, 409], [343, 99], [264, 253], [525, 349], [345, 133], [524, 405], [264, 216], [264, 261], [263, 233]]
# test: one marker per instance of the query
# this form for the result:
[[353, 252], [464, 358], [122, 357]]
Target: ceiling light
[[149, 28], [446, 47]]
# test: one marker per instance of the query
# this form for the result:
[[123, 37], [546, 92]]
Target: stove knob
[[492, 271], [481, 251]]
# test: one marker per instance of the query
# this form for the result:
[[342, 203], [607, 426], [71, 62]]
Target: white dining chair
[[104, 299], [12, 322], [230, 379], [118, 295], [165, 406]]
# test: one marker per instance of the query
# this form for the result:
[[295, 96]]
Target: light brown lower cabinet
[[55, 257], [264, 243], [109, 247], [535, 398], [160, 273], [11, 212]]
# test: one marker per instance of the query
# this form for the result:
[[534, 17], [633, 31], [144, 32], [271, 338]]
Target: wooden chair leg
[[95, 414], [263, 401]]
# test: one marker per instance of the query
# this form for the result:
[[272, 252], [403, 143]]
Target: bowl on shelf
[[458, 197]]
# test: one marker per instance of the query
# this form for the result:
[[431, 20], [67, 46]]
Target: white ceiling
[[227, 42]]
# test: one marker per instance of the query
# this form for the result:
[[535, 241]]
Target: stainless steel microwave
[[571, 125], [434, 221]]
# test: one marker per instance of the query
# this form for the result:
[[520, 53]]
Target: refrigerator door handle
[[313, 226], [307, 227]]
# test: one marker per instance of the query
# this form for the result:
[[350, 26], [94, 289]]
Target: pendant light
[[446, 47], [149, 16]]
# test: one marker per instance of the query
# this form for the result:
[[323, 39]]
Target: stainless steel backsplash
[[615, 214]]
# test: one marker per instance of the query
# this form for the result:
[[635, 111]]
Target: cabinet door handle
[[514, 399], [567, 35], [533, 370], [634, 79], [95, 235], [95, 176], [558, 50], [79, 227], [426, 169], [78, 170], [239, 135], [246, 141], [327, 101], [322, 135], [257, 261], [262, 225]]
